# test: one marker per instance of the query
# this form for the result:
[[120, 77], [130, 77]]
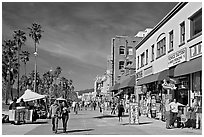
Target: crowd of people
[[174, 115]]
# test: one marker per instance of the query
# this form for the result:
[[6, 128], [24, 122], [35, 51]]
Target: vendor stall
[[26, 113]]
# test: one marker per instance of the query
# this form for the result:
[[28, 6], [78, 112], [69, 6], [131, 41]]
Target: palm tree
[[57, 72], [36, 34], [9, 65], [20, 38], [25, 58]]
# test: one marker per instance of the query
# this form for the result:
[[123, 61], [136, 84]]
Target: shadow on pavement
[[109, 116], [37, 122], [143, 123], [79, 130]]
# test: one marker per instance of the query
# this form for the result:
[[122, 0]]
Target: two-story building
[[169, 58]]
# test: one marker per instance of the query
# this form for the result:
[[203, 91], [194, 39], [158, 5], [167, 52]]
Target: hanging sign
[[166, 85]]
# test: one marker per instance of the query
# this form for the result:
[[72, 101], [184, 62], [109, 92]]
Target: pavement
[[94, 123]]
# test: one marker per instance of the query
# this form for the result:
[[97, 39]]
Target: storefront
[[153, 94], [191, 84]]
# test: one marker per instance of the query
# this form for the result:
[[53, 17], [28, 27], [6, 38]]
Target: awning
[[154, 77], [115, 87], [129, 82], [188, 67], [118, 93]]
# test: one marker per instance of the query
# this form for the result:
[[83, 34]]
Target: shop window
[[142, 59], [138, 61], [121, 64], [196, 23], [182, 32], [122, 50], [171, 41], [197, 83], [146, 56], [161, 47], [152, 52]]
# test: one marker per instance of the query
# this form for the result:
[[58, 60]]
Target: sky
[[77, 35]]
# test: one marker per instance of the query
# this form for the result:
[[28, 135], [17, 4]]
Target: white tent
[[30, 96], [60, 98]]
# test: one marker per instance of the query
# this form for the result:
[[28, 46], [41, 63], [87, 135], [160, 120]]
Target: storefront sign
[[139, 74], [177, 57], [148, 71], [195, 51], [134, 113], [166, 85]]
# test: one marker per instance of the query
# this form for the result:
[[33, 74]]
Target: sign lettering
[[177, 57]]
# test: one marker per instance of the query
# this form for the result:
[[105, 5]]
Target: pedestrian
[[168, 114], [121, 110], [174, 109], [22, 103], [65, 110], [94, 105], [193, 118], [13, 105], [76, 108], [113, 108], [102, 107], [55, 115]]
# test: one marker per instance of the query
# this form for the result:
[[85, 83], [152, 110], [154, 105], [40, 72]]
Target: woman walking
[[65, 115], [120, 111]]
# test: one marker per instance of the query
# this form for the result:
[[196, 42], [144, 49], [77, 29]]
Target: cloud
[[77, 36]]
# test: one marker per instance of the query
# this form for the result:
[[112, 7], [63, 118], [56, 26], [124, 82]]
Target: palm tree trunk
[[11, 92], [18, 76], [35, 68], [25, 68]]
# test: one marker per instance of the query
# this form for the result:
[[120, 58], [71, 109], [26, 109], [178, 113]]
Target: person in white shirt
[[174, 109]]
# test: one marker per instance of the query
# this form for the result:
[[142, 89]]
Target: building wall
[[158, 32], [126, 42], [161, 63]]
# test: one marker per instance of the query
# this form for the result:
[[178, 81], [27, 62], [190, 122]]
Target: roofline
[[178, 7]]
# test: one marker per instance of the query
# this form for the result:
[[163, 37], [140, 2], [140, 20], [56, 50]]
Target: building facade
[[169, 58]]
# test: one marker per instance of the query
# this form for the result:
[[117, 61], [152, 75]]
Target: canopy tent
[[30, 96]]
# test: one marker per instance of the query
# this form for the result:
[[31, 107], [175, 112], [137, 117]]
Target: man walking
[[174, 109], [55, 112]]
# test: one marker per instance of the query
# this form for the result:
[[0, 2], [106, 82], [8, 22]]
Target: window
[[152, 52], [121, 64], [161, 47], [146, 56], [129, 62], [182, 29], [196, 23], [130, 51], [142, 59], [138, 62], [171, 39], [122, 50]]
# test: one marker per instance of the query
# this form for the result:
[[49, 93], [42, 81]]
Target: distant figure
[[55, 115], [22, 103], [121, 110], [13, 104], [65, 110], [113, 108], [94, 105], [76, 108]]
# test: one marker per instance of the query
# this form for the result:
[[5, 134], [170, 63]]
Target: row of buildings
[[163, 62]]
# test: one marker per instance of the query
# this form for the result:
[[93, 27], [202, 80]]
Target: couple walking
[[59, 112]]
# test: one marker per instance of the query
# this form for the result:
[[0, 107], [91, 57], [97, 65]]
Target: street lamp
[[35, 79]]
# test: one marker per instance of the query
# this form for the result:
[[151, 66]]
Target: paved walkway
[[94, 123]]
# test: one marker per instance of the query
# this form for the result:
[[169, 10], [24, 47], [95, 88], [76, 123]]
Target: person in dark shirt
[[13, 104], [22, 103], [120, 111]]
